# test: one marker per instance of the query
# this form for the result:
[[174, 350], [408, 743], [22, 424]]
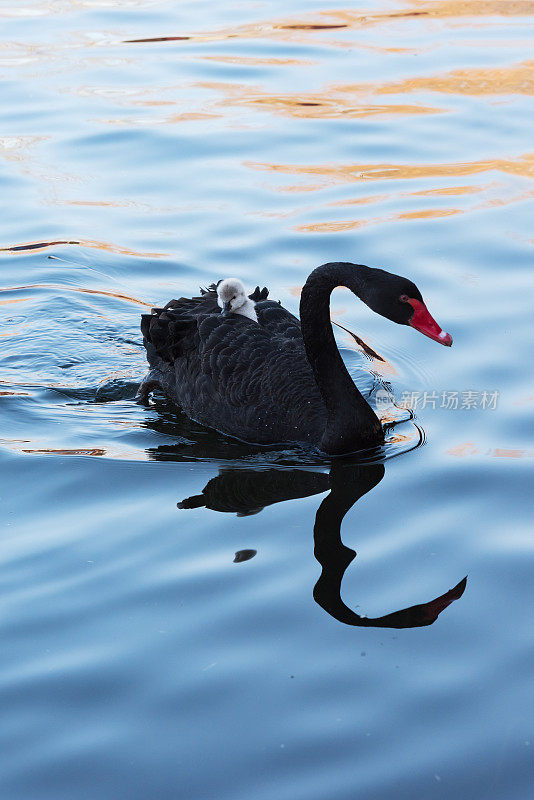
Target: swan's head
[[231, 296], [399, 300]]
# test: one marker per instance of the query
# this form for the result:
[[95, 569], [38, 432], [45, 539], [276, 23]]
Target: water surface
[[183, 615]]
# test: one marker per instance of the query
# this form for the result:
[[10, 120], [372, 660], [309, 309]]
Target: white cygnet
[[233, 299]]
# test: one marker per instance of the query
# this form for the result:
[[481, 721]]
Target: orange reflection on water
[[476, 8], [14, 300], [110, 248], [355, 100], [462, 450], [95, 451], [360, 201], [500, 452], [429, 213], [300, 188], [337, 226], [79, 289], [470, 449], [337, 21], [522, 166], [449, 190], [517, 79], [330, 103], [425, 213]]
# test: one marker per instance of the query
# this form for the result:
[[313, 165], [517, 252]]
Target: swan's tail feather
[[170, 335], [259, 294], [196, 501]]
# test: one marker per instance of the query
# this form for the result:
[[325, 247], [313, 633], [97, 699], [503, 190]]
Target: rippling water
[[173, 619]]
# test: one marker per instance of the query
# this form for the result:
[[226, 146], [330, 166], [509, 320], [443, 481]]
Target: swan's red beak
[[423, 322]]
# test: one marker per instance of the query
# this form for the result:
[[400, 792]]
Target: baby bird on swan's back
[[233, 299]]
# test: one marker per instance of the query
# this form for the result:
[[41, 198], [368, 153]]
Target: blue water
[[231, 645]]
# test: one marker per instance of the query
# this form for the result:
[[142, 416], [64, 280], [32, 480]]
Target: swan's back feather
[[278, 320], [251, 380]]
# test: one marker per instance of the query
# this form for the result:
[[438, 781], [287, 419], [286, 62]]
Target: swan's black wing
[[233, 374]]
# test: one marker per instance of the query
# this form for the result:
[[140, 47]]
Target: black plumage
[[243, 378], [278, 379]]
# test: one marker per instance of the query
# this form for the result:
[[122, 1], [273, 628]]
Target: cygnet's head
[[231, 295], [233, 299]]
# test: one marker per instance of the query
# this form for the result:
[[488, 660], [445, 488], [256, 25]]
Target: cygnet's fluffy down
[[233, 299]]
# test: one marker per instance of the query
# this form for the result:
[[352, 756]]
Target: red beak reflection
[[423, 322]]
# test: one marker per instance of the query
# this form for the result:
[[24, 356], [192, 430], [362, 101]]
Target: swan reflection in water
[[248, 491]]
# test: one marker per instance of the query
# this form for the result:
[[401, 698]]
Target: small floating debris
[[244, 555]]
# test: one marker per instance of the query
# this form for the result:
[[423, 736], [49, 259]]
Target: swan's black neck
[[351, 423]]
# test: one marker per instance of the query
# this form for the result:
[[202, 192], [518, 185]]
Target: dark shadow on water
[[254, 477], [348, 484], [248, 491]]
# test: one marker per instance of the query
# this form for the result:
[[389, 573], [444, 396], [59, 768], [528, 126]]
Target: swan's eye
[[404, 298]]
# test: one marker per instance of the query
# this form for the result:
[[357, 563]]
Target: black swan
[[277, 379]]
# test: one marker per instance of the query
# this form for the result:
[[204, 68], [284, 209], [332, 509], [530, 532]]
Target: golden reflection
[[450, 190], [438, 9], [94, 451], [14, 300], [361, 201], [522, 166], [440, 191], [78, 289], [463, 450], [345, 225], [337, 225], [299, 30], [429, 213], [476, 8], [470, 449], [517, 79], [331, 174], [300, 188], [356, 100], [331, 103], [119, 452], [110, 248], [500, 452], [398, 438]]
